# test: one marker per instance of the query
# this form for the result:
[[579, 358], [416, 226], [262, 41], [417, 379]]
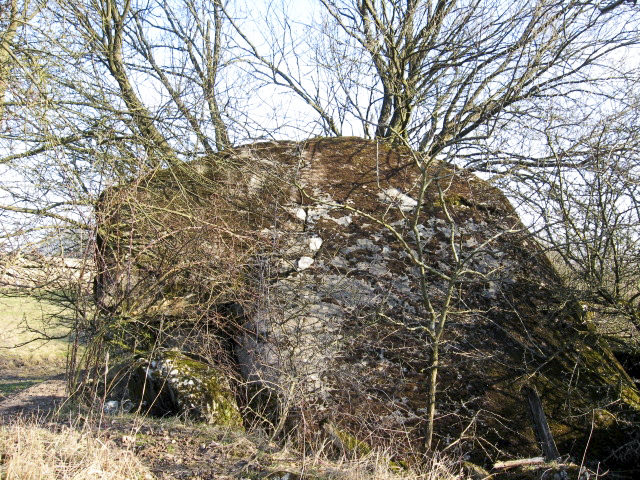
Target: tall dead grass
[[374, 465], [29, 452], [379, 468]]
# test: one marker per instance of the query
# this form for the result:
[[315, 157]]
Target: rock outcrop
[[299, 263]]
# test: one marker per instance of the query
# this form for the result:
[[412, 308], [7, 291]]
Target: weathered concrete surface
[[171, 383], [295, 252]]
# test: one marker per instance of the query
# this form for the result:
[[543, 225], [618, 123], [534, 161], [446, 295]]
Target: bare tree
[[97, 92], [100, 90], [199, 37], [584, 204], [14, 20], [441, 74]]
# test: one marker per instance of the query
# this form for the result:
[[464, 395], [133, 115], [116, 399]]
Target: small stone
[[315, 243], [111, 407], [343, 221], [397, 198], [304, 263], [301, 214], [127, 406], [185, 387]]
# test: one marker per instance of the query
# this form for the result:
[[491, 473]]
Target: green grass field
[[25, 357]]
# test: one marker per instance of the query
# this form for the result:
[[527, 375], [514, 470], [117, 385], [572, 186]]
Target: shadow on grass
[[10, 387]]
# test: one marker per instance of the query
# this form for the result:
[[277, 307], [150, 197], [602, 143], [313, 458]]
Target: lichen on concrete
[[171, 383]]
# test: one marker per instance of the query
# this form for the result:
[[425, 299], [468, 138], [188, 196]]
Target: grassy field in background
[[25, 359]]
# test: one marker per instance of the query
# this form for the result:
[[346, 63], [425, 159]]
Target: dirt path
[[28, 388], [40, 398]]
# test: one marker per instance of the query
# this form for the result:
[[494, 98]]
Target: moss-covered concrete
[[172, 383], [344, 441]]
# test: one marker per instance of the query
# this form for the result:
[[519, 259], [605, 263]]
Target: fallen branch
[[519, 462], [541, 427]]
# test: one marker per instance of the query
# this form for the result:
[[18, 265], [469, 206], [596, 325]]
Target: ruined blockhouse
[[295, 265]]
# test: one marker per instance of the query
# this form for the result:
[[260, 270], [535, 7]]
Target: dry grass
[[29, 451], [374, 465], [380, 467]]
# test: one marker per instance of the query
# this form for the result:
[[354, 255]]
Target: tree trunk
[[213, 64], [5, 52], [431, 397]]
